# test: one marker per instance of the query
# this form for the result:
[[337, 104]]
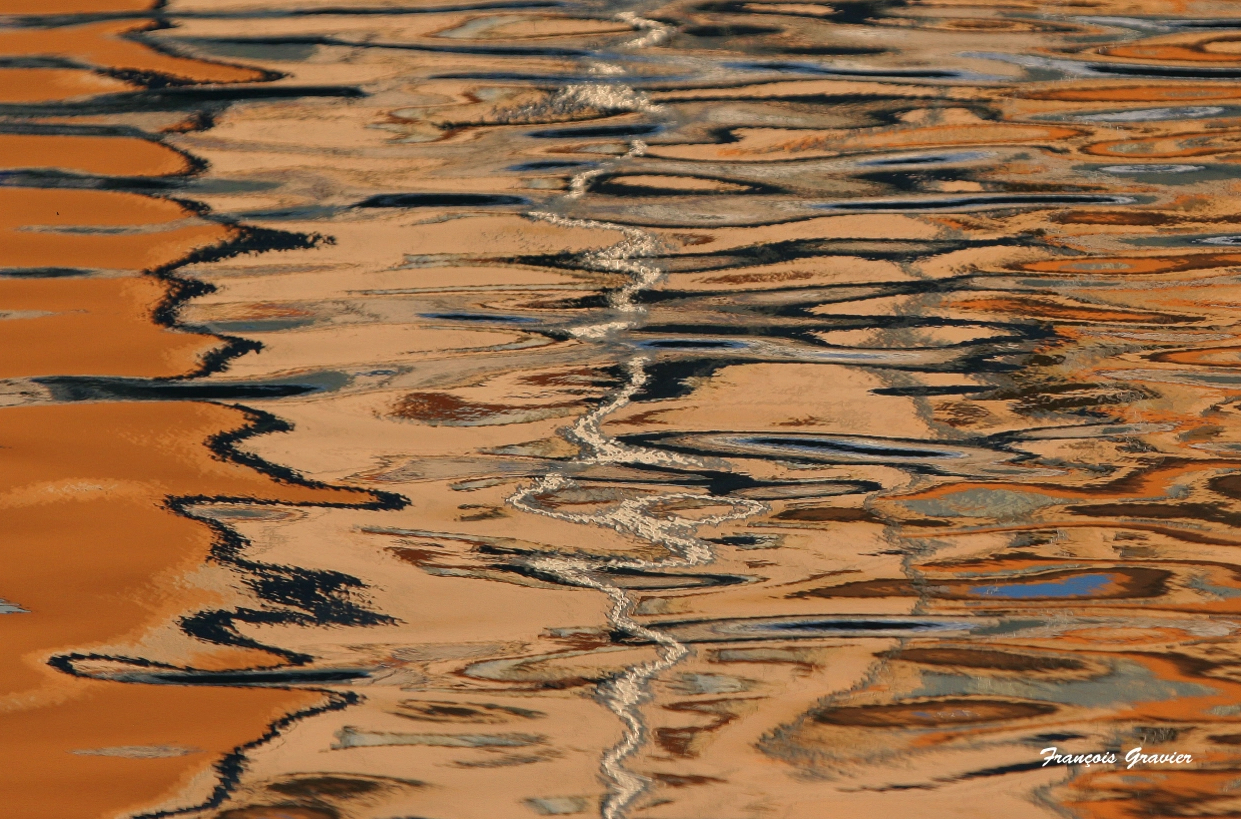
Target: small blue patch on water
[[1082, 585]]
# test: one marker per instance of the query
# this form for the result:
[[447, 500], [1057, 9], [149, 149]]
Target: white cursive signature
[[1052, 755]]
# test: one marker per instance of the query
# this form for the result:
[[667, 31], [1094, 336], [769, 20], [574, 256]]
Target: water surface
[[702, 410]]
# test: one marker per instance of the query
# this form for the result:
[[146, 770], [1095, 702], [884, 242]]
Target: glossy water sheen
[[708, 410]]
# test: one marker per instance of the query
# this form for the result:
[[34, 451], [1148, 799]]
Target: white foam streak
[[656, 32], [638, 517], [581, 182], [623, 257], [601, 96]]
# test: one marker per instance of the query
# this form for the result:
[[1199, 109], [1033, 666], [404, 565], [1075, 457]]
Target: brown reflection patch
[[990, 25], [469, 712], [760, 278], [105, 45], [979, 133], [1156, 791], [325, 792], [1111, 217], [1198, 51], [1135, 93], [447, 409], [93, 554], [46, 84], [279, 812], [756, 141], [1202, 143], [1158, 511], [930, 713], [439, 407], [678, 741], [817, 514], [687, 742], [112, 156], [685, 780], [1227, 485], [1047, 308], [575, 378], [1130, 265], [1202, 357], [318, 787], [991, 660]]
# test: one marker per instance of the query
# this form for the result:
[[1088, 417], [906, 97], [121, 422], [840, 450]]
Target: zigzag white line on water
[[656, 32], [577, 185], [625, 694]]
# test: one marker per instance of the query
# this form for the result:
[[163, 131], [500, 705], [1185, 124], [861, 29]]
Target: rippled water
[[708, 410]]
